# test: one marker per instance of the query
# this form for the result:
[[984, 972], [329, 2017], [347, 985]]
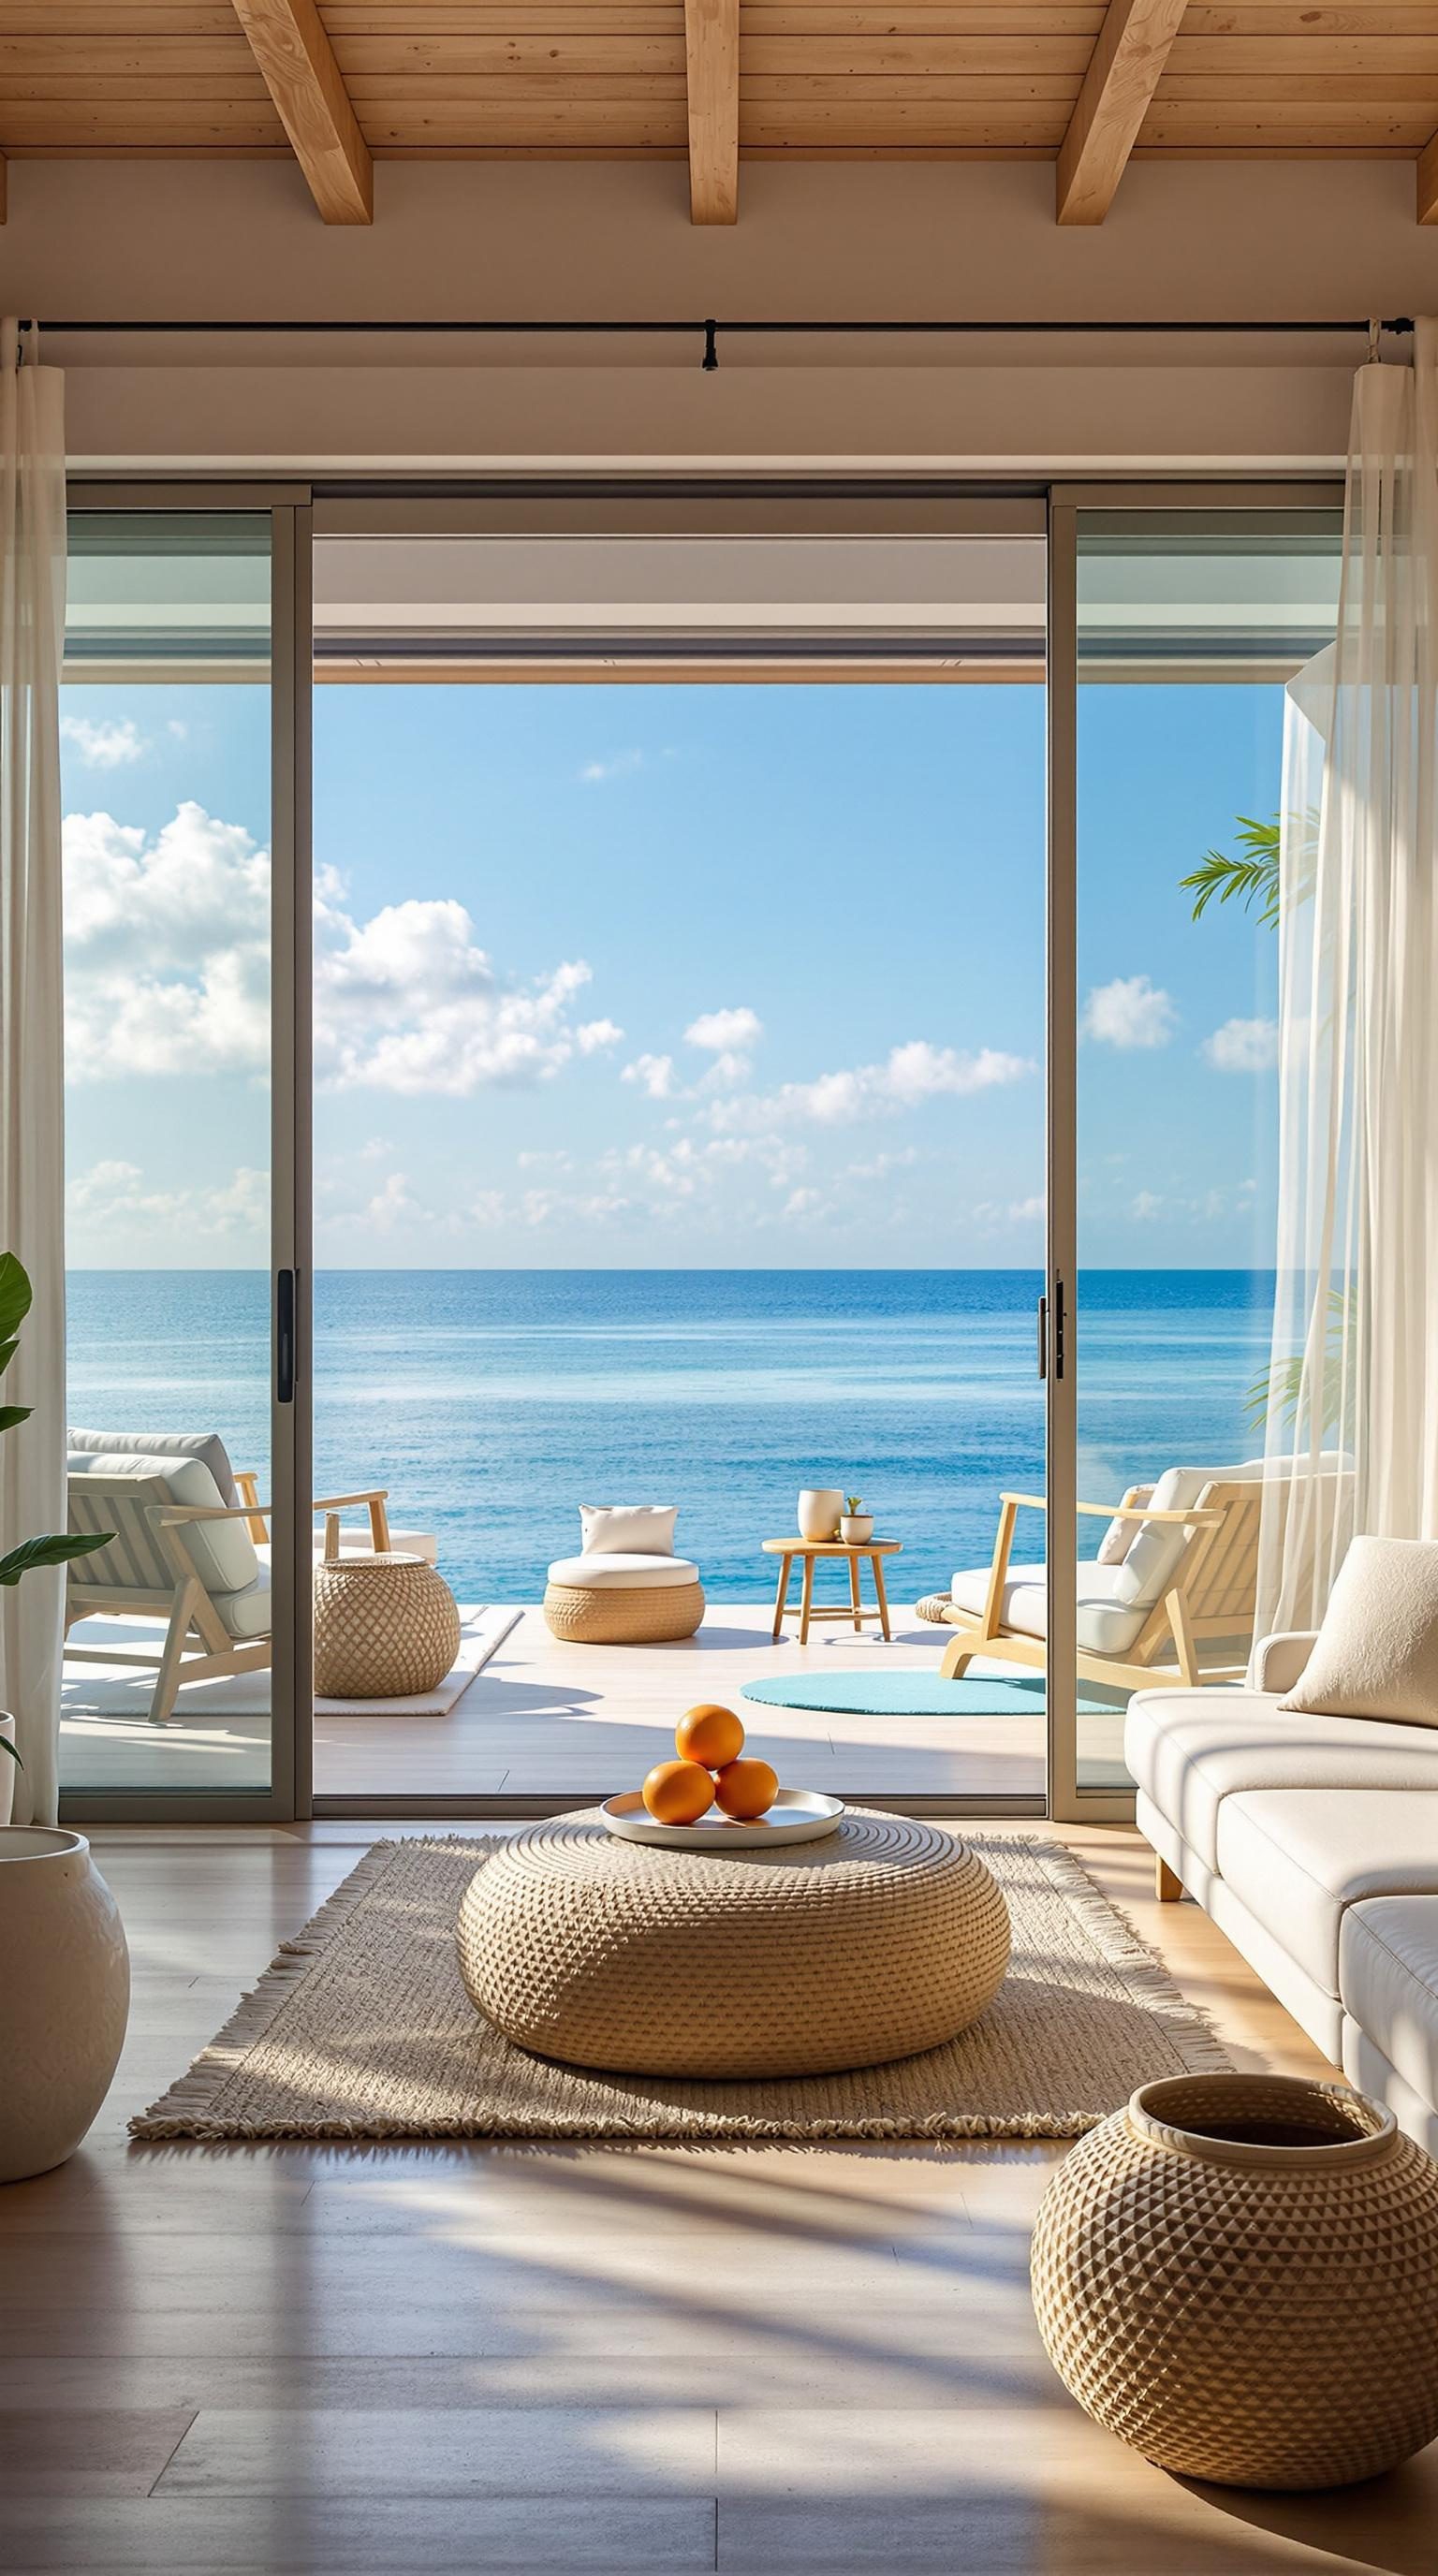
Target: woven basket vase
[[386, 1627], [1256, 2314]]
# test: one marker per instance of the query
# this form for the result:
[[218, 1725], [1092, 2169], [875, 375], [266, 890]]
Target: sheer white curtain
[[1352, 1426], [32, 1459]]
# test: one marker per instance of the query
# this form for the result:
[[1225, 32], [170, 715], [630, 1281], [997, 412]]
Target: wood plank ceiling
[[338, 84]]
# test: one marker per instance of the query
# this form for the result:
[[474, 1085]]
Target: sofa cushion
[[207, 1446], [1297, 1858], [250, 1613], [222, 1552], [618, 1572], [1107, 1622], [1376, 1653], [1189, 1750], [1388, 1979], [635, 1529]]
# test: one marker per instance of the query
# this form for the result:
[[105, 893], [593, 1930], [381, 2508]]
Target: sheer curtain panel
[[1352, 1414]]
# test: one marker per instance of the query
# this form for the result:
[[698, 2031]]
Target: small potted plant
[[856, 1526]]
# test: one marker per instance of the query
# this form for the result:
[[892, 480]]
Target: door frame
[[288, 505], [1068, 1801]]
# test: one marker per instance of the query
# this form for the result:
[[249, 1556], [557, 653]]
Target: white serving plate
[[797, 1816]]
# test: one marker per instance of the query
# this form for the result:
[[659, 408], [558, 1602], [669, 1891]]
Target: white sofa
[[1313, 1844]]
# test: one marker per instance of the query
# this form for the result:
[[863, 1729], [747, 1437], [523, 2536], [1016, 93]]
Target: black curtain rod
[[710, 328]]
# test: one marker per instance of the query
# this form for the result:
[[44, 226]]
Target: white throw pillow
[[1376, 1653], [628, 1529], [1119, 1537]]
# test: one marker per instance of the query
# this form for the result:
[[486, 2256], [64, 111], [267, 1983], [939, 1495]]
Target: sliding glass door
[[181, 728], [1196, 632]]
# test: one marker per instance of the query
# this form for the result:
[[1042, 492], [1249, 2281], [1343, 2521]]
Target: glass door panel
[[1191, 629], [168, 897]]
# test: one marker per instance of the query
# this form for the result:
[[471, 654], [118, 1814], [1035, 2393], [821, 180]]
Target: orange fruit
[[746, 1788], [677, 1793], [710, 1735]]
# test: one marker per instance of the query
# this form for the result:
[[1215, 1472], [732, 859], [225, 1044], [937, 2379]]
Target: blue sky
[[667, 975]]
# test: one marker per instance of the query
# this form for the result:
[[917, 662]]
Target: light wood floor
[[413, 2359]]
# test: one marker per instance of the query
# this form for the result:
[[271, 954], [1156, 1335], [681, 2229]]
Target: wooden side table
[[809, 1550]]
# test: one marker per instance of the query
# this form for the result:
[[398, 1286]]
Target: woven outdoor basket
[[1261, 2315], [386, 1627], [638, 1614], [887, 1937]]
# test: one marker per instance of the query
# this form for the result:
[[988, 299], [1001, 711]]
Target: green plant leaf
[[7, 1353], [10, 1414], [13, 1750], [15, 1294], [34, 1552]]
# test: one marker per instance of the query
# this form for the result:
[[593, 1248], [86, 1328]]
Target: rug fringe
[[180, 2113], [1187, 2025]]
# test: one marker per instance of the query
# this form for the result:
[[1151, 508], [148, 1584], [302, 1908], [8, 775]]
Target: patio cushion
[[620, 1572], [207, 1446], [249, 1613], [635, 1529], [1298, 1857], [1107, 1623], [1189, 1750], [222, 1552], [1388, 1979]]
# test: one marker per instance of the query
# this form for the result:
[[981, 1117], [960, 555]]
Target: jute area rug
[[361, 2029]]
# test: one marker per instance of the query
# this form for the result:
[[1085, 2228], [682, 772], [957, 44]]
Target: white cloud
[[909, 1075], [616, 764], [1026, 1211], [1243, 1046], [113, 1201], [107, 745], [393, 1205], [803, 1202], [168, 971], [654, 1072], [1132, 1011], [1147, 1204], [723, 1032], [594, 1034]]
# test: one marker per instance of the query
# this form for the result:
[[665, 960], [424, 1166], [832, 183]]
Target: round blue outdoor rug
[[877, 1694]]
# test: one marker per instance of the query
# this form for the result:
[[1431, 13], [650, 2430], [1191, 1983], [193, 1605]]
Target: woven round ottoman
[[886, 1938], [1238, 2275], [626, 1600], [386, 1627]]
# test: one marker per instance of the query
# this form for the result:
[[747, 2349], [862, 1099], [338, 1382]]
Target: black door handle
[[284, 1336]]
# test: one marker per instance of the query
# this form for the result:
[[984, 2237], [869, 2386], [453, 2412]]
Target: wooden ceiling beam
[[1428, 182], [295, 56], [711, 58], [4, 191], [1129, 54]]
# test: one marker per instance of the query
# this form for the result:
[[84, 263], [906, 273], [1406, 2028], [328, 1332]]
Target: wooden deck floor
[[413, 2361], [545, 1719]]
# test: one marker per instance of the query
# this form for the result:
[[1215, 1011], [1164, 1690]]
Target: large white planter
[[64, 1996], [819, 1509], [7, 1770]]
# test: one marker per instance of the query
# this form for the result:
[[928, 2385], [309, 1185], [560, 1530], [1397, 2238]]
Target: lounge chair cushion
[[635, 1529], [207, 1446], [249, 1613], [222, 1552], [620, 1572], [1107, 1622], [1190, 1750]]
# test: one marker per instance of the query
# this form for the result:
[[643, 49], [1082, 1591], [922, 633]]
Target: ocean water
[[492, 1403]]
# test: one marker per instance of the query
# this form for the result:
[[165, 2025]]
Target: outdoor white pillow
[[1376, 1653], [628, 1529], [1119, 1537]]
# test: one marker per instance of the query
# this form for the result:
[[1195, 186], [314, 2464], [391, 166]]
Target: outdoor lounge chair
[[1177, 1570], [182, 1549]]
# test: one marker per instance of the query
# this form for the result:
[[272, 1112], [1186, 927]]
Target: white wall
[[814, 241]]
